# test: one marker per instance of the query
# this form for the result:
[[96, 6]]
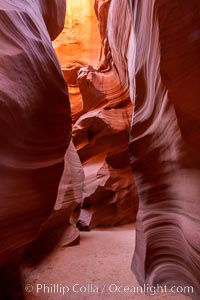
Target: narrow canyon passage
[[99, 149], [102, 260]]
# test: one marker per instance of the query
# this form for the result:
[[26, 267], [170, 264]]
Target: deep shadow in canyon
[[103, 134]]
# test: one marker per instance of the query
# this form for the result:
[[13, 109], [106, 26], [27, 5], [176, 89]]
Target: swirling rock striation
[[163, 71], [35, 120], [78, 45], [109, 192], [101, 138], [101, 112], [60, 230]]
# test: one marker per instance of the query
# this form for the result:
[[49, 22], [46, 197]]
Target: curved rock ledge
[[102, 117]]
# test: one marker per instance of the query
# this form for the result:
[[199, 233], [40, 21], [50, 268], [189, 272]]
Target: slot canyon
[[100, 149]]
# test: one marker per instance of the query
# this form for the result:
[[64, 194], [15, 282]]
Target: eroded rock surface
[[60, 229], [163, 67], [101, 128], [35, 121], [78, 45], [109, 195]]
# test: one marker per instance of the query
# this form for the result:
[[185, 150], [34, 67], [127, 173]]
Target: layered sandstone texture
[[60, 230], [35, 121], [102, 112], [163, 67], [78, 45]]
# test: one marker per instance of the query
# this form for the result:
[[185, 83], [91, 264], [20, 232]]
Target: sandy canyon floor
[[96, 269]]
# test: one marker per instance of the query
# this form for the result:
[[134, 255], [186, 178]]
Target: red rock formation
[[78, 45], [101, 8], [53, 14], [109, 196], [35, 122], [163, 67], [60, 228]]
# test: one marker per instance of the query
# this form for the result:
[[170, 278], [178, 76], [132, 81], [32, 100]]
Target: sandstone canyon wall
[[35, 122], [78, 45], [147, 51], [101, 112], [161, 60]]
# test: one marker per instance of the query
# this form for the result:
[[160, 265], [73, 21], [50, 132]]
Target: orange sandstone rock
[[101, 111]]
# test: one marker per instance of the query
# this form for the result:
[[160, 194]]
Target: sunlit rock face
[[78, 45], [35, 121], [163, 67], [102, 121], [101, 137]]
